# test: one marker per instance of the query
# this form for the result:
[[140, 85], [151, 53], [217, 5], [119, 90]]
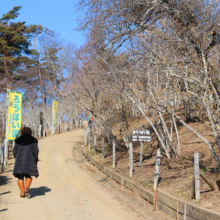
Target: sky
[[58, 16]]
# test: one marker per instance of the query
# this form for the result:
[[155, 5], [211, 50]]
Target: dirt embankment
[[176, 174], [63, 190]]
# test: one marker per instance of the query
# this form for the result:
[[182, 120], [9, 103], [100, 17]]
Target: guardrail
[[167, 203]]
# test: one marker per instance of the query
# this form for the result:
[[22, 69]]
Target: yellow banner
[[54, 112], [14, 119]]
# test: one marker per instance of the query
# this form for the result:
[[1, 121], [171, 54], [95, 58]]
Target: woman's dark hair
[[26, 130]]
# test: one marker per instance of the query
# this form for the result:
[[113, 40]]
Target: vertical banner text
[[54, 112], [14, 119]]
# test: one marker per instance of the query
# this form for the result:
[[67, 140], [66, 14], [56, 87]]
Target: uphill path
[[63, 190]]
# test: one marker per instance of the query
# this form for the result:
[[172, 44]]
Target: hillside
[[176, 174]]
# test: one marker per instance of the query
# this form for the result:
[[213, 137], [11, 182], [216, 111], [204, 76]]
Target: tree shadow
[[218, 184], [41, 191], [3, 210], [9, 171], [5, 193], [4, 180], [159, 180], [206, 191]]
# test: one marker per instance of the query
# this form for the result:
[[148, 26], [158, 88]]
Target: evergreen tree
[[14, 42]]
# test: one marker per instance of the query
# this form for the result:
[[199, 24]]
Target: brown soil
[[176, 174], [63, 189]]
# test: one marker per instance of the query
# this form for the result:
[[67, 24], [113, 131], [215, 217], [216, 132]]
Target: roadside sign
[[142, 135]]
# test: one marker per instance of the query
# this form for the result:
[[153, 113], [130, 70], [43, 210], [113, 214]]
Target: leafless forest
[[151, 57]]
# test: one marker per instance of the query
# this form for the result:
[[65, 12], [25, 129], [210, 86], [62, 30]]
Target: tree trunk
[[177, 137], [41, 90], [7, 75], [32, 97], [201, 137]]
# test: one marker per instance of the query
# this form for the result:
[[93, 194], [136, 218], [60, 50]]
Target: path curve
[[63, 190]]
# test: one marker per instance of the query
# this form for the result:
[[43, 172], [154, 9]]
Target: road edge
[[165, 202]]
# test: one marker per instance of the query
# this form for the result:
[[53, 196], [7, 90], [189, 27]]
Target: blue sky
[[58, 16]]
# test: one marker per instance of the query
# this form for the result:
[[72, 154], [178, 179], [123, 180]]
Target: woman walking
[[26, 157]]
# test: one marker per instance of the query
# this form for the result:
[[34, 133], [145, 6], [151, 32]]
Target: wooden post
[[94, 143], [52, 120], [7, 149], [155, 200], [59, 128], [196, 175], [130, 159], [5, 152], [2, 157], [177, 210], [141, 154], [89, 140], [157, 166], [44, 132], [103, 148], [192, 189], [85, 136], [113, 148], [39, 131], [76, 122], [184, 217], [6, 119]]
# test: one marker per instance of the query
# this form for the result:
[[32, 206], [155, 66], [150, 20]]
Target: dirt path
[[62, 191]]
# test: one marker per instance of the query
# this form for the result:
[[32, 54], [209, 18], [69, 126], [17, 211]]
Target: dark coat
[[26, 154]]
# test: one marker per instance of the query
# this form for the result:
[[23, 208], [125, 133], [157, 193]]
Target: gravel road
[[62, 191]]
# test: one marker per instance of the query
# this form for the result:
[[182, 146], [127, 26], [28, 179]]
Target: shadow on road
[[4, 180], [41, 191], [5, 193]]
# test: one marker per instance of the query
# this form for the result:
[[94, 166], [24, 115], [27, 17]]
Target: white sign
[[141, 135]]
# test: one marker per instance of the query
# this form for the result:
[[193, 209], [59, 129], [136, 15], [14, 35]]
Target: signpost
[[103, 148], [141, 153], [95, 144], [142, 135], [196, 176], [113, 153], [130, 159]]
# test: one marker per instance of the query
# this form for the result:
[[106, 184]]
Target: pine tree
[[14, 42]]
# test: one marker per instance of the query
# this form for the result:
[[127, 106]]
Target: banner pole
[[52, 119], [6, 122]]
